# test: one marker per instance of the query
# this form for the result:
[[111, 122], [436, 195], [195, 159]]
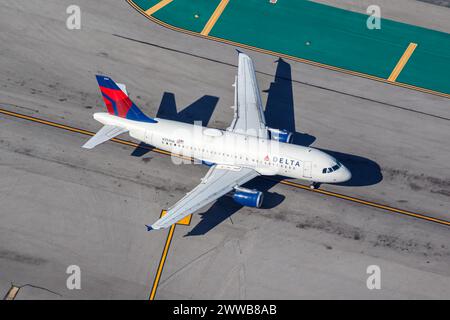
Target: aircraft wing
[[248, 112], [219, 180], [104, 134]]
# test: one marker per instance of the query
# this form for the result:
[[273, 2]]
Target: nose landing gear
[[314, 185]]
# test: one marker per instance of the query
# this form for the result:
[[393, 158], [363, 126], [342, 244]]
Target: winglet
[[149, 228], [238, 51]]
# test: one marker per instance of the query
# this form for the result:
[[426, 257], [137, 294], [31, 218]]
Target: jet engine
[[280, 135], [248, 197]]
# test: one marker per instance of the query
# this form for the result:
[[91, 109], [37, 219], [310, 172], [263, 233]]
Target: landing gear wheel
[[314, 185]]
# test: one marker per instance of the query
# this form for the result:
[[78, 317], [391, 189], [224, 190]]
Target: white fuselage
[[213, 146]]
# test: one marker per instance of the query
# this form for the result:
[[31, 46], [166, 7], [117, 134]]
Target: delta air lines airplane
[[245, 150]]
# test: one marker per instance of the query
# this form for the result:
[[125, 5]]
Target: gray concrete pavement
[[62, 205]]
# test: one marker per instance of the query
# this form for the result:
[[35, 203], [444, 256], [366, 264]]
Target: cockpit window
[[333, 168]]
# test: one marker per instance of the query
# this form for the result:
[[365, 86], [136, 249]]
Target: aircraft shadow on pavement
[[279, 114], [365, 172], [225, 206], [200, 110]]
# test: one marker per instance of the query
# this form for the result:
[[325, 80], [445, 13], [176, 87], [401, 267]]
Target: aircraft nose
[[345, 174]]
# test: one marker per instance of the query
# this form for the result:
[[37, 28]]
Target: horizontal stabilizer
[[106, 133]]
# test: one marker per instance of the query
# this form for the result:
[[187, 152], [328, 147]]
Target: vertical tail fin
[[118, 103]]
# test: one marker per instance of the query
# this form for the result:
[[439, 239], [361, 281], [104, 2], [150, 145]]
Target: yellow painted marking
[[157, 6], [172, 228], [185, 221], [85, 132], [402, 62], [162, 262], [297, 185], [215, 16], [367, 203], [12, 293], [293, 58]]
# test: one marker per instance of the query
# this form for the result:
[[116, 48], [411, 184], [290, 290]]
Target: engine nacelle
[[248, 197], [280, 135]]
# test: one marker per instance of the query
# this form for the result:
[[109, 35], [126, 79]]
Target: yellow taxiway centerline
[[402, 62], [186, 221], [162, 262], [215, 16], [157, 6], [293, 184], [367, 203]]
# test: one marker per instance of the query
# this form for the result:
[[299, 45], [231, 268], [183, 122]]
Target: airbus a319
[[246, 149]]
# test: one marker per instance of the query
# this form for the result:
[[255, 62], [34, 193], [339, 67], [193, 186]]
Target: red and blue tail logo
[[118, 103]]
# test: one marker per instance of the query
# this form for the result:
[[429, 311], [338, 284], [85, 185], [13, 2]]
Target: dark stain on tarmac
[[342, 230], [395, 243], [22, 258]]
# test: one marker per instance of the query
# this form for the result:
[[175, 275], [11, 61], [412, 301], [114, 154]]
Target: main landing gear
[[314, 185]]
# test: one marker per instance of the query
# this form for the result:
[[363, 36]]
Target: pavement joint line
[[285, 182], [289, 57], [157, 7], [12, 293], [402, 62], [214, 17]]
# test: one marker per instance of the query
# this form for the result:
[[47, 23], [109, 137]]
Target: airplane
[[246, 149]]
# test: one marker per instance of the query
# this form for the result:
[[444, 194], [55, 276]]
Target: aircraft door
[[307, 169]]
